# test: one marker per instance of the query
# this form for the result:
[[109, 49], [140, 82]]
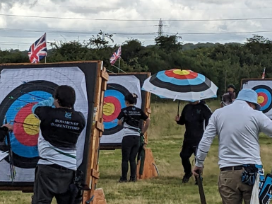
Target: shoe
[[186, 178], [122, 180], [132, 179]]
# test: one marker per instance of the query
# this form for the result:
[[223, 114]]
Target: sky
[[22, 22]]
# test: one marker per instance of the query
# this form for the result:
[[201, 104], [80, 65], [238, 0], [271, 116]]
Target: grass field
[[165, 139]]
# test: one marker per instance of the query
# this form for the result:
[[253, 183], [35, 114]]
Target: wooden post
[[99, 197], [150, 169], [93, 170]]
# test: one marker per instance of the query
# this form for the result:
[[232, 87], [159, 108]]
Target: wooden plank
[[105, 75], [67, 62], [99, 196], [93, 151], [100, 126], [95, 173], [130, 73], [104, 86], [147, 107], [149, 166], [97, 130], [17, 188]]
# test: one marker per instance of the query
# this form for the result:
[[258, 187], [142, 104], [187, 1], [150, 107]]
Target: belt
[[229, 168], [137, 130], [55, 166]]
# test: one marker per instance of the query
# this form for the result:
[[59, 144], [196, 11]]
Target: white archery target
[[117, 88], [13, 78], [264, 90]]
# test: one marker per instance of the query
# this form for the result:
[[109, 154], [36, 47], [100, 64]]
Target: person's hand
[[197, 170], [9, 126], [177, 118]]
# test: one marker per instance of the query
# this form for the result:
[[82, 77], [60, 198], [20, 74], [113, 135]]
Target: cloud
[[87, 21]]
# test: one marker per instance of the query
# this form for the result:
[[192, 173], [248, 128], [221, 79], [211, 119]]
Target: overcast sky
[[24, 21]]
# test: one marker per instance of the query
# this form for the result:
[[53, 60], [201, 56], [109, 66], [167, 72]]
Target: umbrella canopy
[[180, 84]]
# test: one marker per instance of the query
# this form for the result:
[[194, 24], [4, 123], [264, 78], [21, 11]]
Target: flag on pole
[[115, 56], [263, 76], [38, 50]]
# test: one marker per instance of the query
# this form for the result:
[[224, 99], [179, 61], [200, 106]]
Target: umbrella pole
[[178, 108]]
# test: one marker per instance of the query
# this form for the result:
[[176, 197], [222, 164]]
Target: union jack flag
[[38, 50], [263, 76], [115, 56]]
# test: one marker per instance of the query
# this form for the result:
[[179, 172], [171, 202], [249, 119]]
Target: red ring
[[265, 98], [191, 75], [18, 129], [117, 108]]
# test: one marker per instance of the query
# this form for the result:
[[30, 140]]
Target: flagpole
[[118, 69], [45, 60], [119, 64], [263, 75]]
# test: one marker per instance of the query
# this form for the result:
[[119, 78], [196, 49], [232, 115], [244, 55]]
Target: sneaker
[[122, 180], [186, 178], [132, 179]]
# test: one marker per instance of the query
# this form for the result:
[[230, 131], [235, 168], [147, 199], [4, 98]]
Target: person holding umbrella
[[185, 85], [195, 116]]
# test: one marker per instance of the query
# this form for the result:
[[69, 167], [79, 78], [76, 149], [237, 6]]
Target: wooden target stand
[[150, 169], [90, 195]]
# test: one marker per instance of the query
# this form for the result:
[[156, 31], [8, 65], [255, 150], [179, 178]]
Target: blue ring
[[17, 147], [121, 99], [181, 82], [268, 94]]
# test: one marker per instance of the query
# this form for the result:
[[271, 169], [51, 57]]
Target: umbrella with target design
[[180, 84]]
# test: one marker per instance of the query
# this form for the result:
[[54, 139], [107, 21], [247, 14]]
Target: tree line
[[222, 63]]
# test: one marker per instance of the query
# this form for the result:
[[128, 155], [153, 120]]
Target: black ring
[[125, 92], [38, 85]]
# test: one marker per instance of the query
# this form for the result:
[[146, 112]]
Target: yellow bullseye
[[260, 99], [108, 109], [31, 125], [181, 72]]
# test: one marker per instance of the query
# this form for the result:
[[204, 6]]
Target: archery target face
[[21, 89], [114, 100], [16, 108], [264, 97], [180, 84], [176, 79], [264, 91]]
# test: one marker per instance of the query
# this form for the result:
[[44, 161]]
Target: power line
[[238, 32], [137, 20], [129, 33]]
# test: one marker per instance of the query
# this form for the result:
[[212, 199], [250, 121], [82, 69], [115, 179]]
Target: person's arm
[[120, 118], [37, 108], [147, 122], [3, 132], [265, 124], [181, 120], [207, 114], [205, 144]]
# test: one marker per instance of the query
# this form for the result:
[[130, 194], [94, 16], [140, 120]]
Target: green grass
[[165, 140]]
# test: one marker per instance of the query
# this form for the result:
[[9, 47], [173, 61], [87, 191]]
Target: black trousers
[[187, 150], [130, 148], [52, 182]]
